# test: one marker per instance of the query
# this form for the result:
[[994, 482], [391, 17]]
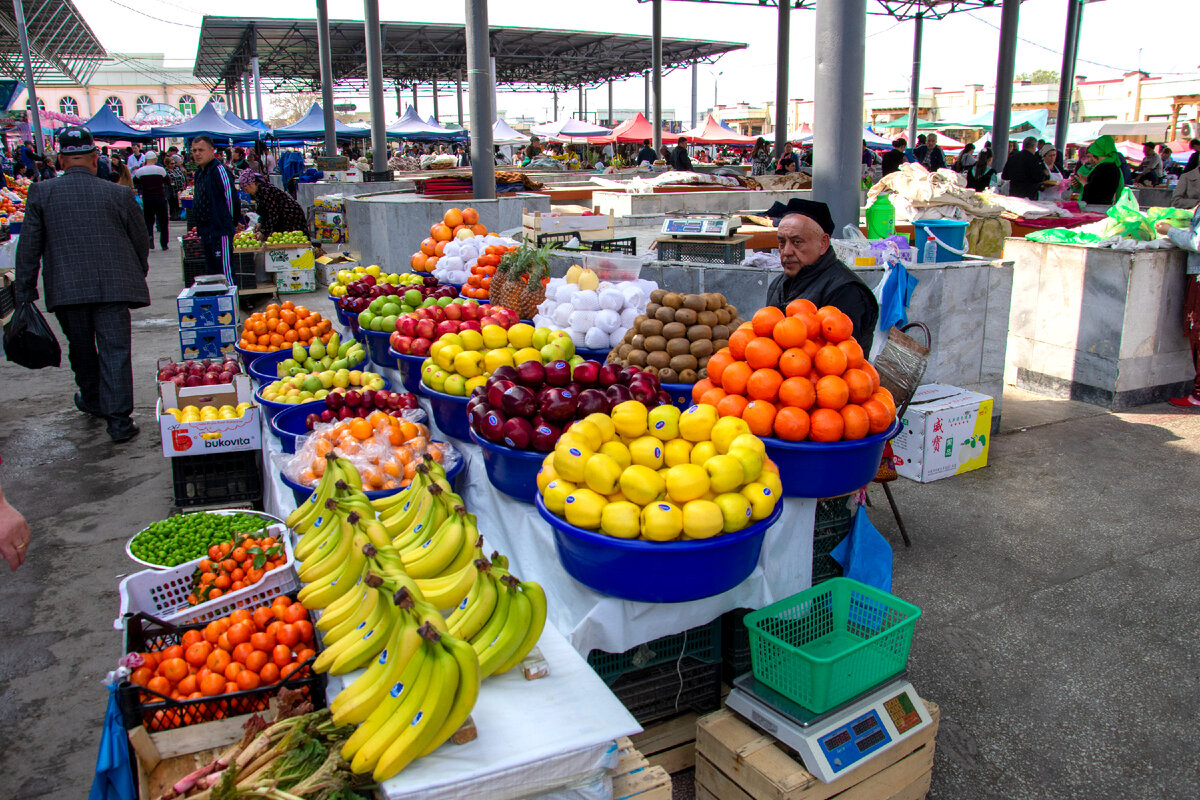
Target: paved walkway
[[1058, 587]]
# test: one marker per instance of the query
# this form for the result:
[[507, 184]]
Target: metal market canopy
[[62, 48], [312, 126], [106, 125], [415, 52]]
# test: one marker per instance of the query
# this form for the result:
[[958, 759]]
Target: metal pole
[[458, 94], [781, 74], [1066, 78], [246, 88], [479, 82], [254, 71], [555, 114], [841, 44], [399, 101], [415, 99], [656, 71], [610, 107], [914, 97], [374, 46], [695, 101], [647, 109], [325, 58], [579, 112], [1006, 64], [435, 100]]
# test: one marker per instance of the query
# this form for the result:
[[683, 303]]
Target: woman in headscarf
[[1099, 175], [760, 160], [1053, 187], [277, 211]]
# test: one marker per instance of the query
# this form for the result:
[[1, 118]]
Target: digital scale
[[706, 225], [833, 743]]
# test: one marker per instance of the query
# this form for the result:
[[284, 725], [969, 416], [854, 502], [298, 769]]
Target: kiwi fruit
[[668, 375], [629, 334], [723, 316], [651, 370], [732, 309], [623, 351], [651, 308], [655, 343], [657, 295], [650, 327], [637, 358], [708, 318], [721, 331], [672, 299], [701, 348], [680, 363], [696, 302], [719, 343], [688, 376], [698, 332], [703, 361], [716, 300], [658, 359], [665, 314], [673, 330], [685, 315], [677, 347], [638, 341]]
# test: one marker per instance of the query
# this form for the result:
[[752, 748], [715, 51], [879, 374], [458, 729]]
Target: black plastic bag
[[28, 340]]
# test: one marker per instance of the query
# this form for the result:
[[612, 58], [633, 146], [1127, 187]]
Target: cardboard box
[[947, 431], [296, 280], [330, 264], [283, 259], [207, 305], [327, 235], [566, 218], [329, 219], [209, 342], [199, 438], [330, 202]]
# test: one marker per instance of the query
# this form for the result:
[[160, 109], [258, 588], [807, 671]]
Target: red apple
[[453, 311], [407, 325], [420, 347], [446, 326], [470, 324], [427, 329]]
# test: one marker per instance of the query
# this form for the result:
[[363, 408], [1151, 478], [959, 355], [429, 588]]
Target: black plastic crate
[[139, 706], [834, 520], [194, 267], [191, 248], [245, 270], [688, 684], [217, 478], [703, 252], [626, 245], [735, 644], [702, 642]]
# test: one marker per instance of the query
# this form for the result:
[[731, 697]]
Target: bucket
[[951, 235]]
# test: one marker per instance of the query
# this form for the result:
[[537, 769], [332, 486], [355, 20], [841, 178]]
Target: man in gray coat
[[88, 239]]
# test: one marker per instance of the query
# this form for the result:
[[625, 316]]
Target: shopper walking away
[[893, 158], [1099, 175], [646, 153], [679, 156], [88, 240], [277, 211], [1189, 240], [215, 207], [1025, 171], [177, 177], [154, 185]]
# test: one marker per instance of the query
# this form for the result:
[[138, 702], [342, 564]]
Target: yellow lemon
[[697, 422], [570, 460], [677, 451], [548, 461], [750, 441], [617, 452], [726, 430], [647, 451], [724, 473], [629, 418], [735, 510], [641, 485], [604, 423], [544, 476], [662, 521], [663, 422], [555, 495], [701, 452], [686, 482], [621, 519], [584, 508], [602, 474], [770, 479], [751, 462], [761, 498], [589, 431], [702, 519]]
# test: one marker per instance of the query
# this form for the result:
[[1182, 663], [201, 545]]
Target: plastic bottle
[[881, 217], [929, 256]]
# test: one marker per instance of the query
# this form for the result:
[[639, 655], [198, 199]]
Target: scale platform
[[833, 743], [712, 226]]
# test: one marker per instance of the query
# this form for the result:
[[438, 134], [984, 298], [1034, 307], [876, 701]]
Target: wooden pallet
[[635, 778], [737, 761], [670, 744]]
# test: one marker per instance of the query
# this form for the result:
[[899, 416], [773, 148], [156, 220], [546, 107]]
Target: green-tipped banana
[[369, 644], [430, 516], [400, 703], [465, 696], [537, 622], [323, 526], [303, 514], [501, 650], [362, 617], [343, 606], [332, 554]]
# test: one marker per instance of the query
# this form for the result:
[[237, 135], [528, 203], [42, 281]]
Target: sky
[[958, 50]]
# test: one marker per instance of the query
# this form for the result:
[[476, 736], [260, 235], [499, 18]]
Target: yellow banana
[[356, 702], [465, 695], [384, 505], [428, 720], [338, 581], [328, 522], [448, 590], [350, 481], [327, 657], [370, 643], [435, 554], [515, 628], [472, 546], [339, 609], [404, 693], [495, 623], [332, 553], [434, 515], [401, 518], [537, 622], [467, 620], [374, 531], [303, 515], [357, 620]]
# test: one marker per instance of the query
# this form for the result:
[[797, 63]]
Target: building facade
[[129, 83]]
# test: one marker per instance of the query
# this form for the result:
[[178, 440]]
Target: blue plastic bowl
[[512, 471], [342, 316], [264, 369], [449, 412], [273, 408], [378, 349], [248, 356], [681, 394], [302, 493], [593, 355], [288, 426], [410, 370], [657, 572], [828, 469]]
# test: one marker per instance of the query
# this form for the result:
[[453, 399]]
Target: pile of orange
[[281, 325], [479, 284], [234, 565], [385, 449], [236, 653], [457, 223], [796, 376]]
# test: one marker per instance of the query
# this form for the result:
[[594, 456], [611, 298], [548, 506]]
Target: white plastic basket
[[163, 593]]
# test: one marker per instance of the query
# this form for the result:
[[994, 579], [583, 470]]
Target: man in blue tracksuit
[[215, 208]]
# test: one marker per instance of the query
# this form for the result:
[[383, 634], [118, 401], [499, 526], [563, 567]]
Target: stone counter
[[1098, 325], [306, 192], [691, 202], [1150, 197]]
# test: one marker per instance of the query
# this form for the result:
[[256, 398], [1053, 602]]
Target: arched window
[[187, 104], [68, 105], [143, 102], [41, 105], [116, 105]]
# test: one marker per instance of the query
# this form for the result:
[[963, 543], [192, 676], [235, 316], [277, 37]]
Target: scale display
[[696, 226]]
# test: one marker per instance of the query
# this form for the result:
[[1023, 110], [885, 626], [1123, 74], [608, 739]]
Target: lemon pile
[[660, 474], [208, 413]]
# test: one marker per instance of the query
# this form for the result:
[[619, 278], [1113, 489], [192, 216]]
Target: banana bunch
[[419, 693], [502, 617]]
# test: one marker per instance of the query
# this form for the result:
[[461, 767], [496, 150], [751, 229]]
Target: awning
[[711, 132], [106, 125], [569, 128], [503, 135], [211, 122], [411, 126], [631, 131], [312, 127], [902, 124]]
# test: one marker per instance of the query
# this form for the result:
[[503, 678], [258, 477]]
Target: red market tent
[[711, 132], [631, 131]]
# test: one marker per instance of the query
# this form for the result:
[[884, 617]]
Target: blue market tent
[[411, 126], [250, 124], [107, 125], [211, 122], [312, 127], [458, 134]]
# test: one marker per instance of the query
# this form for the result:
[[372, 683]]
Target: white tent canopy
[[569, 128], [504, 135]]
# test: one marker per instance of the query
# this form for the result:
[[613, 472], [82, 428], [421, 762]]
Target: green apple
[[575, 361], [455, 385], [412, 298], [365, 318], [472, 339], [436, 380], [539, 338], [443, 301], [520, 335], [389, 323], [312, 384]]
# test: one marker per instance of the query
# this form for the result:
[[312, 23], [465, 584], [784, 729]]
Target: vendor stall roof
[[415, 52], [62, 47], [899, 9]]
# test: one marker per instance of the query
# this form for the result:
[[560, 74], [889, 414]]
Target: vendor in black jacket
[[811, 270], [215, 207]]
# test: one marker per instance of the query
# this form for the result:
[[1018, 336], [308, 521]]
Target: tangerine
[[762, 352], [738, 341], [703, 385], [837, 327], [428, 245], [825, 425], [218, 660], [281, 654], [257, 660], [417, 261], [174, 669], [832, 392], [191, 637], [764, 385], [829, 360], [765, 319], [247, 680], [197, 653], [791, 424], [159, 685], [212, 685], [856, 423], [713, 396], [242, 652], [885, 397], [811, 347], [878, 416], [812, 325], [760, 416], [790, 332], [859, 384], [441, 232], [732, 405], [853, 351], [453, 218], [735, 377], [717, 363], [269, 673], [869, 368], [470, 216], [801, 305], [797, 392], [793, 362]]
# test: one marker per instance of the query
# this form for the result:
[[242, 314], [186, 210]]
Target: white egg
[[607, 320], [596, 339], [586, 299]]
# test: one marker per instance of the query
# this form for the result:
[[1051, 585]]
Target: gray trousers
[[100, 349]]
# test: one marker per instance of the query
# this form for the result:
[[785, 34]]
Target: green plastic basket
[[831, 643]]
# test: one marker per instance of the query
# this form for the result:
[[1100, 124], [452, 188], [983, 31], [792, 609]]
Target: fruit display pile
[[385, 450], [416, 332], [186, 537], [796, 376], [481, 264], [247, 649], [282, 324], [287, 238], [345, 277], [459, 362], [677, 335], [595, 313], [362, 404], [207, 413], [442, 252], [319, 356], [382, 312], [246, 240], [414, 554], [309, 386], [234, 565], [527, 407], [660, 474], [205, 372]]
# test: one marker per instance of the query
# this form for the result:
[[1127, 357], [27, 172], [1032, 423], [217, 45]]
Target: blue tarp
[[312, 127], [212, 122], [106, 125]]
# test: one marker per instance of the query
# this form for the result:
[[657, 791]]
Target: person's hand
[[14, 535], [1163, 226]]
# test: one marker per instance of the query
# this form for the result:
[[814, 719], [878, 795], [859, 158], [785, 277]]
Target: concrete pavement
[[1058, 587]]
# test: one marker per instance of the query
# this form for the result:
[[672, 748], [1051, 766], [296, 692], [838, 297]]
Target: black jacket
[[1102, 185], [215, 206], [680, 159], [1024, 172], [829, 282], [892, 160], [645, 154]]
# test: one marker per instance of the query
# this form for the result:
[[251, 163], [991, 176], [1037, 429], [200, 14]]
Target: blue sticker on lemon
[[664, 506], [574, 452]]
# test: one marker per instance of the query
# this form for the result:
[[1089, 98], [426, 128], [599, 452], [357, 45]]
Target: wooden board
[[635, 779], [736, 760]]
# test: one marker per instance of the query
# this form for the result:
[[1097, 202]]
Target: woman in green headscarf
[[1099, 174]]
